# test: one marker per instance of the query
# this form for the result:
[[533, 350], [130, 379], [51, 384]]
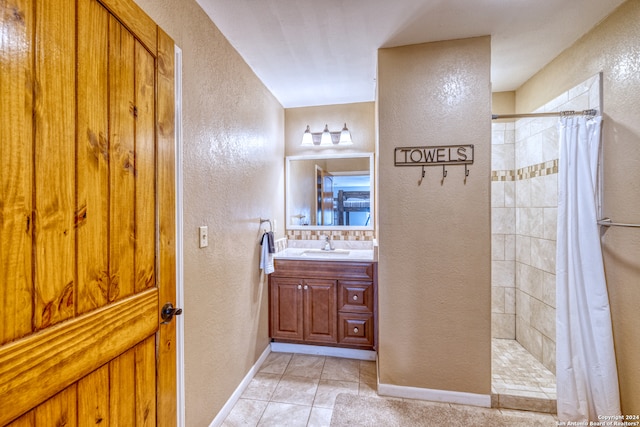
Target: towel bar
[[269, 221], [607, 222]]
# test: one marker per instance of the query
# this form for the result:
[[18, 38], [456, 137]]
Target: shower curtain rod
[[550, 114]]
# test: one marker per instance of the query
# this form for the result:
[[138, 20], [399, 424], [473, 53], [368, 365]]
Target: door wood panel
[[121, 160], [60, 410], [122, 401], [144, 170], [93, 398], [145, 382], [87, 215], [92, 168], [16, 169], [27, 420], [54, 163]]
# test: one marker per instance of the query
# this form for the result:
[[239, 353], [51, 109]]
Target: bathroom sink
[[323, 253]]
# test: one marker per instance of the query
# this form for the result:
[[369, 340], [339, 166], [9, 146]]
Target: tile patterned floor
[[299, 390], [519, 381]]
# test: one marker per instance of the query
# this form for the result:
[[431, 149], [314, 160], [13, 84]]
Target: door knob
[[168, 311]]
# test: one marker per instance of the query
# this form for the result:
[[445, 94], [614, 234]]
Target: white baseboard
[[444, 396], [319, 350], [226, 409]]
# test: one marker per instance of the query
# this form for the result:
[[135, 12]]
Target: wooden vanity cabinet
[[325, 303]]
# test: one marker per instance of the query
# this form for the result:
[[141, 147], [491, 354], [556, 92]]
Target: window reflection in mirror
[[330, 190]]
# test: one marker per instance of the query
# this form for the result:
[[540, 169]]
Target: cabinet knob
[[355, 297], [306, 287], [299, 286], [355, 330]]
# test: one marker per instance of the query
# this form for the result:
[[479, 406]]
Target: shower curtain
[[586, 373]]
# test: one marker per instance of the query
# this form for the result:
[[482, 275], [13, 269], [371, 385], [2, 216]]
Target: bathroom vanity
[[324, 299], [324, 292]]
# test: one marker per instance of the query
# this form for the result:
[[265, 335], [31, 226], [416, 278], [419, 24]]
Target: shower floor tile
[[519, 381]]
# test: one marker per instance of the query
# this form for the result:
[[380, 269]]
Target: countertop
[[309, 254]]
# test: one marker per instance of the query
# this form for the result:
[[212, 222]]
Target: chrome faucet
[[327, 244]]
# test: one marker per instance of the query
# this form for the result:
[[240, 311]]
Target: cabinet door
[[286, 308], [320, 309]]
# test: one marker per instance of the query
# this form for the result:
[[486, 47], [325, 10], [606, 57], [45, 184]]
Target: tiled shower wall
[[528, 195], [503, 231]]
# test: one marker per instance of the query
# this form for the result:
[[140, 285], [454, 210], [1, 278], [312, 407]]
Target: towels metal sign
[[439, 155]]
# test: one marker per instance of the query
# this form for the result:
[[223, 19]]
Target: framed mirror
[[330, 191]]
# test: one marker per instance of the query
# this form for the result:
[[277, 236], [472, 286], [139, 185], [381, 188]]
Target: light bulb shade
[[345, 136], [307, 138], [326, 136]]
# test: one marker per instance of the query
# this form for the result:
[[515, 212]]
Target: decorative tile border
[[354, 235], [541, 169], [504, 175]]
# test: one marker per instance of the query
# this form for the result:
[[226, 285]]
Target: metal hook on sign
[[422, 177], [444, 175], [466, 173]]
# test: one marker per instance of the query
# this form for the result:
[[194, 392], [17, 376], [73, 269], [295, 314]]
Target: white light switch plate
[[204, 236]]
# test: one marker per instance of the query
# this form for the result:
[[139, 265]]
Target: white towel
[[266, 258]]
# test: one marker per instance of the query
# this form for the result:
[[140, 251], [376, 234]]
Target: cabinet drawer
[[355, 297], [355, 329]]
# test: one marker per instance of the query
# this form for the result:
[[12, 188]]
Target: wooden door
[[324, 197], [327, 199], [320, 310], [87, 223]]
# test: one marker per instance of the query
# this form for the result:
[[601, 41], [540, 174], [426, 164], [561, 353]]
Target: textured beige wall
[[233, 175], [503, 102], [611, 48], [435, 241], [360, 119]]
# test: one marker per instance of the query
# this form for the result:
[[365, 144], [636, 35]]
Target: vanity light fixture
[[327, 137], [345, 136], [307, 137]]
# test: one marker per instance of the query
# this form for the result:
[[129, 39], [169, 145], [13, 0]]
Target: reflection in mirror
[[330, 190]]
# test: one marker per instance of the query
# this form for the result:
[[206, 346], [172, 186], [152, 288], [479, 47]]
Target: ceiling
[[321, 52]]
